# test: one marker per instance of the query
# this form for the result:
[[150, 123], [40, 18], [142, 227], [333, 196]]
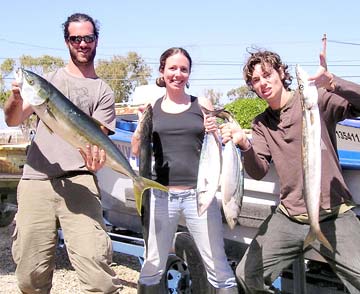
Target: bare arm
[[16, 110], [135, 139]]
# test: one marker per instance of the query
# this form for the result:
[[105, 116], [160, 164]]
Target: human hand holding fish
[[232, 131], [16, 91], [210, 123], [94, 157], [136, 137]]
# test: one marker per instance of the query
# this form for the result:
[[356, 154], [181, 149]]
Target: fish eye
[[31, 82]]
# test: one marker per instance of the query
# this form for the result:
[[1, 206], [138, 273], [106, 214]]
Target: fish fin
[[48, 128], [312, 235], [232, 212], [231, 223], [309, 239], [202, 207], [322, 239], [140, 186], [97, 122]]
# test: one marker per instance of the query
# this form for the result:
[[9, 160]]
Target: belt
[[75, 173]]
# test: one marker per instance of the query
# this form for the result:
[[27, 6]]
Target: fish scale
[[311, 156], [209, 172], [232, 177]]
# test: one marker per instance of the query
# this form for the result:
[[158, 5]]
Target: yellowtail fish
[[232, 177], [209, 172], [311, 156], [69, 122], [145, 128]]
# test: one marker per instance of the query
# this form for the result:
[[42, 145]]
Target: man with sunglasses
[[58, 186]]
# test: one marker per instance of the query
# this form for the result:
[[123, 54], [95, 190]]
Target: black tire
[[7, 213], [185, 271]]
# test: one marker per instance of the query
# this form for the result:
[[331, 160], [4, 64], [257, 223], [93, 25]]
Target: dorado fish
[[311, 156], [65, 119], [145, 155], [209, 172], [232, 177]]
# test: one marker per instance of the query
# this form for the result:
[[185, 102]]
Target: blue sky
[[216, 33]]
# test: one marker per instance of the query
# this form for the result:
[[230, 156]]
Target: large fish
[[145, 128], [209, 172], [65, 119], [311, 156], [232, 177]]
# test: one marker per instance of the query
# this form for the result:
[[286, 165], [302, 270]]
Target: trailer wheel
[[185, 271], [7, 213]]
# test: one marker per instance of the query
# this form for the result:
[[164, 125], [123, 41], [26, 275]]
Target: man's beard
[[87, 61]]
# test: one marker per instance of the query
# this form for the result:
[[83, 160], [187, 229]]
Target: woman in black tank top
[[178, 131]]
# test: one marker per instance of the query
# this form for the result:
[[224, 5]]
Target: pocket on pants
[[15, 250], [103, 243]]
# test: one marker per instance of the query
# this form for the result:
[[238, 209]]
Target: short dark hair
[[80, 17], [265, 57], [170, 52]]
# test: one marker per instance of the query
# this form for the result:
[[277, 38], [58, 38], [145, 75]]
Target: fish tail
[[201, 205], [322, 239], [313, 235], [140, 185], [310, 237]]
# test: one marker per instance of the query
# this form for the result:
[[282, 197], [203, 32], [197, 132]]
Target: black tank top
[[177, 141]]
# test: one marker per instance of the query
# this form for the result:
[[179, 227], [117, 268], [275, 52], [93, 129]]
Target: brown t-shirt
[[276, 136], [49, 156]]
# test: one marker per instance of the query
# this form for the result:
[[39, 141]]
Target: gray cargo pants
[[73, 202], [280, 241]]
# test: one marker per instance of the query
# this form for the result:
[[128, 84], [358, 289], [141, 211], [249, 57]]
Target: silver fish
[[311, 156], [65, 119], [232, 177], [209, 172], [145, 128]]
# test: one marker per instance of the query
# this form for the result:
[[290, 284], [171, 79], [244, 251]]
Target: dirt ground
[[65, 280]]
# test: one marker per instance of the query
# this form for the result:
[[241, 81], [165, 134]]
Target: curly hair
[[80, 17], [266, 58]]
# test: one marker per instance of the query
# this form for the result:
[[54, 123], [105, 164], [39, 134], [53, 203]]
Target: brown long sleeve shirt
[[276, 137]]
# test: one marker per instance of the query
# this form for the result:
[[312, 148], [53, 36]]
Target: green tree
[[42, 64], [244, 110], [213, 96], [6, 68], [4, 95], [123, 74]]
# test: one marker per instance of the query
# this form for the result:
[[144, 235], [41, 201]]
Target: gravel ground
[[65, 280]]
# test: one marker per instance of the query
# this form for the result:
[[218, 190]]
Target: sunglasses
[[78, 39]]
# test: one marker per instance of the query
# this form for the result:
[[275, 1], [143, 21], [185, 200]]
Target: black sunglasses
[[78, 39]]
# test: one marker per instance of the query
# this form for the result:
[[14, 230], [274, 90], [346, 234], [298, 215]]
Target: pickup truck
[[185, 272], [184, 269]]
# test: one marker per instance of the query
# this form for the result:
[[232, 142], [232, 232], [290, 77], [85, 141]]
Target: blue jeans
[[165, 212], [280, 241]]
